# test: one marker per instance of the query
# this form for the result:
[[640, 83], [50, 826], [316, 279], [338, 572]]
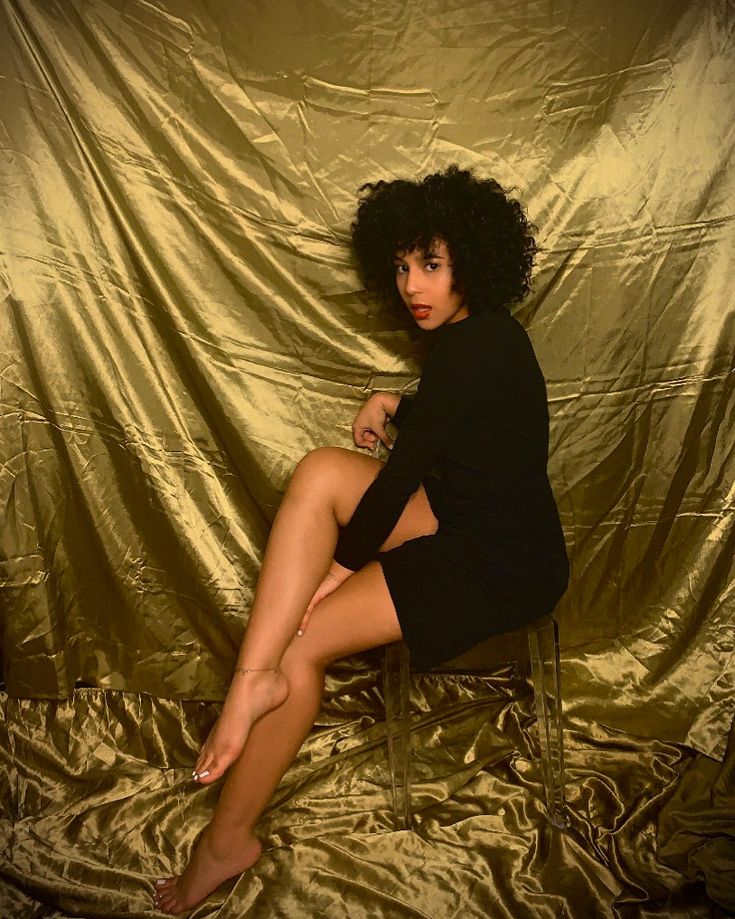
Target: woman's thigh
[[359, 615], [343, 476]]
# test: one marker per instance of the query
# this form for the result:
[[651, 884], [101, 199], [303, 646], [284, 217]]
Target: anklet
[[257, 669]]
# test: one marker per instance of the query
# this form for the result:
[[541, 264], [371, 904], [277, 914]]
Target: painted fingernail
[[204, 774], [300, 632], [160, 881]]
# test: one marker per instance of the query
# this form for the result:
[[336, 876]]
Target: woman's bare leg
[[358, 615], [281, 707], [324, 490]]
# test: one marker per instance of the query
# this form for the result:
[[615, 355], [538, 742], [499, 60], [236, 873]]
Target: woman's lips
[[420, 310]]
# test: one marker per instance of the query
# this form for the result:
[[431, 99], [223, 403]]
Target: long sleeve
[[451, 380], [403, 407]]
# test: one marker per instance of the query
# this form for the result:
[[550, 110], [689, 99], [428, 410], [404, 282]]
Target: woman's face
[[424, 281]]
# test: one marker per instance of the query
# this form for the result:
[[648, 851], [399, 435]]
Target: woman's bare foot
[[204, 873], [250, 696]]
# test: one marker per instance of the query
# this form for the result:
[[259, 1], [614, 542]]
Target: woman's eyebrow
[[426, 256]]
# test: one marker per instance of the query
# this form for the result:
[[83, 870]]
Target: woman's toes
[[164, 895], [167, 901], [202, 764], [208, 775]]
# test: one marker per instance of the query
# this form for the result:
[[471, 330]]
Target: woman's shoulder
[[488, 344], [480, 331]]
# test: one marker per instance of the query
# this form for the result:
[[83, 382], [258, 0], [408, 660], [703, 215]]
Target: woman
[[455, 538]]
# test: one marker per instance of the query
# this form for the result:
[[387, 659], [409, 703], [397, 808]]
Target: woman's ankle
[[229, 838], [263, 689]]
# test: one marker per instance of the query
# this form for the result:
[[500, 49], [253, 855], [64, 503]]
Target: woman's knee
[[320, 460], [300, 666], [317, 471], [333, 471]]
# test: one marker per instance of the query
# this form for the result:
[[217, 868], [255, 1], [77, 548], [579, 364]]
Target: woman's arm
[[452, 381]]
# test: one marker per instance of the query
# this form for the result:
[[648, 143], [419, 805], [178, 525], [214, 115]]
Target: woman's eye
[[401, 269], [432, 266]]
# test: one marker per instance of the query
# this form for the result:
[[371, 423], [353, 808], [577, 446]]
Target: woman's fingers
[[320, 593], [369, 439], [364, 437], [368, 426], [331, 582]]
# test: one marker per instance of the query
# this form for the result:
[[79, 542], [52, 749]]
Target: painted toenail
[[160, 881], [204, 774]]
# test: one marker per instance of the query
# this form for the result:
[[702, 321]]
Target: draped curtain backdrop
[[181, 321]]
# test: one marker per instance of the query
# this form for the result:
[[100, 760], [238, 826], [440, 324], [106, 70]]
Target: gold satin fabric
[[181, 322]]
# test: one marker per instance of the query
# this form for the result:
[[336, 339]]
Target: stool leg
[[543, 642], [396, 687]]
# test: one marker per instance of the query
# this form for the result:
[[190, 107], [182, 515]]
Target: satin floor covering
[[103, 802]]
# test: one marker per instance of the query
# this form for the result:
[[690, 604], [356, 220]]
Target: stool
[[538, 643]]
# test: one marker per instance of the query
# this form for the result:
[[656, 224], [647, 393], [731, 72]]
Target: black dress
[[476, 435]]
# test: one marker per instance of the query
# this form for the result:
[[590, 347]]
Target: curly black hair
[[489, 238]]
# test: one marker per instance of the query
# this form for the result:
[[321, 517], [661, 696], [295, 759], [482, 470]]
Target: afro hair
[[489, 238]]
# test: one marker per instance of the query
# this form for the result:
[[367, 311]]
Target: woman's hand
[[369, 425], [336, 575]]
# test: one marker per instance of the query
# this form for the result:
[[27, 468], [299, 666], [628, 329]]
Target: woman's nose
[[413, 281]]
